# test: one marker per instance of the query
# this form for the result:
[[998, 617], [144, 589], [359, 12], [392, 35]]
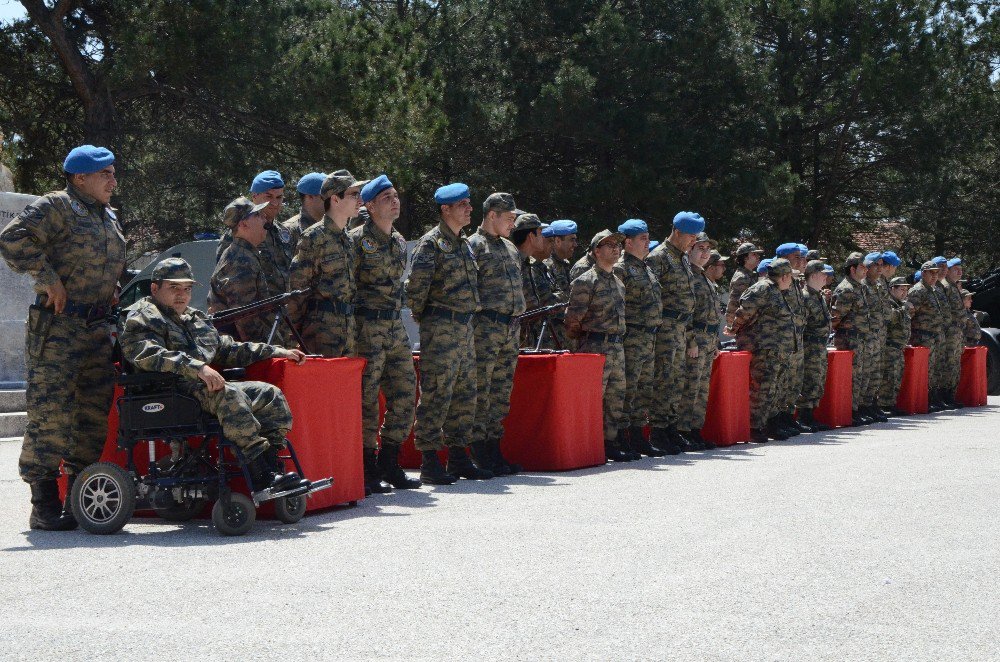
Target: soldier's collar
[[446, 231], [82, 197], [331, 226], [374, 229], [244, 244]]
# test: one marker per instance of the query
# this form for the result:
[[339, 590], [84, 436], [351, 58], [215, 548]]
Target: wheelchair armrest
[[146, 378], [230, 374]]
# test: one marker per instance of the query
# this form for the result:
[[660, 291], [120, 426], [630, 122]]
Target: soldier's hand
[[295, 355], [729, 331], [213, 380], [56, 293], [693, 352]]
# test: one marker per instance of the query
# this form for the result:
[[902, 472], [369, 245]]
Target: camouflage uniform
[[765, 313], [741, 280], [296, 225], [597, 309], [849, 311], [815, 337], [925, 326], [878, 317], [496, 335], [972, 333], [239, 280], [673, 271], [705, 336], [327, 261], [66, 236], [560, 275], [381, 339], [792, 388], [581, 265], [443, 292], [538, 288], [893, 361], [953, 322], [276, 252], [254, 415], [643, 310]]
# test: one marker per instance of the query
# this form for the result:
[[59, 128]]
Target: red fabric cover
[[913, 391], [727, 420], [972, 383], [835, 407]]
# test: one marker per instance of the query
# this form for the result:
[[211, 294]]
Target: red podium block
[[913, 391], [727, 420], [972, 383], [835, 407]]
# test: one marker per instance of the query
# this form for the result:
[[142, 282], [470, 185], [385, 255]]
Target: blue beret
[[633, 227], [689, 222], [917, 275], [450, 194], [827, 269], [86, 159], [891, 258], [266, 181], [653, 244], [803, 248], [374, 187], [764, 264], [954, 262], [940, 259], [309, 184], [787, 249], [562, 228], [872, 258]]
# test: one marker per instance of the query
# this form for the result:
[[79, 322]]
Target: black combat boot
[[625, 445], [662, 439], [798, 423], [262, 477], [857, 420], [277, 465], [758, 436], [933, 406], [695, 435], [432, 471], [388, 463], [613, 453], [509, 468], [775, 430], [461, 465], [875, 413], [641, 445], [788, 424], [951, 400], [47, 509], [373, 477]]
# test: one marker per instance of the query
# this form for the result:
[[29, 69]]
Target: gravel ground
[[868, 544]]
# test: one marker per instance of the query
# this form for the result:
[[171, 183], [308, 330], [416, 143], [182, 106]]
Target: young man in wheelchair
[[163, 334]]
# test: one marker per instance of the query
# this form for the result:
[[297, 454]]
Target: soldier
[[71, 244], [584, 263], [703, 346], [925, 326], [311, 206], [763, 307], [163, 334], [327, 261], [815, 338], [443, 292], [596, 317], [670, 265], [239, 277], [943, 357], [276, 251], [878, 314], [564, 237], [495, 330], [748, 259], [972, 332], [954, 338], [792, 387], [536, 282], [380, 261], [897, 337], [849, 311], [643, 309]]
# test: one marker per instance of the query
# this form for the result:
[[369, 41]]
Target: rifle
[[226, 318], [543, 313]]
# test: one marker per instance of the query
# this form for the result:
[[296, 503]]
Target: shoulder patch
[[401, 242], [444, 244], [284, 234], [368, 245], [111, 213], [78, 207]]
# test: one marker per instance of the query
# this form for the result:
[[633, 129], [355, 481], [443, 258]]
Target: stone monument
[[16, 294]]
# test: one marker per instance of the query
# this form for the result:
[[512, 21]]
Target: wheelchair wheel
[[180, 512], [290, 509], [237, 518], [103, 498]]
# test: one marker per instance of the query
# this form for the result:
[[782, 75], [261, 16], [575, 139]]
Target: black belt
[[87, 311], [605, 337], [642, 327], [495, 316], [329, 306], [707, 328], [680, 317], [448, 314], [375, 314]]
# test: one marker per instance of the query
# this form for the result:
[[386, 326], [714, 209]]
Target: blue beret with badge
[[689, 222], [803, 249], [562, 228], [891, 258], [787, 249], [374, 187], [940, 259], [309, 184], [633, 227], [653, 244], [267, 180], [764, 264], [872, 258], [954, 262], [451, 193], [86, 159]]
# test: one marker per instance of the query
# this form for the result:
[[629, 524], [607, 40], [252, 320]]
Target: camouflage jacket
[[276, 252], [817, 329], [971, 331], [643, 304], [955, 305], [796, 303], [537, 284], [673, 271], [926, 314], [560, 275], [443, 274], [878, 301], [581, 265], [380, 261], [849, 308], [706, 307], [741, 280], [67, 236], [296, 225], [326, 261], [596, 303], [157, 339], [765, 313], [500, 280], [238, 280], [898, 323]]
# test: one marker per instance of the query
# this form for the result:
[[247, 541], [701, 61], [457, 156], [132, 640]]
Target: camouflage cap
[[704, 238], [500, 202], [715, 257], [239, 209], [746, 249], [853, 260], [929, 265], [175, 270], [779, 267], [899, 281], [605, 234], [338, 182], [527, 221], [815, 267], [814, 255], [966, 293]]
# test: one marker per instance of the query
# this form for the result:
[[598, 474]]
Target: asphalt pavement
[[866, 544]]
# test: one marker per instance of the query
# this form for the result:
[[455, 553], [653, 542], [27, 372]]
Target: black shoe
[[775, 431], [807, 418], [897, 412], [952, 402], [788, 424], [432, 471], [857, 420], [625, 445], [641, 445], [758, 436], [876, 414], [486, 456], [388, 464], [262, 477], [709, 445], [613, 453], [277, 466], [461, 465], [692, 443], [47, 509], [373, 477], [661, 438]]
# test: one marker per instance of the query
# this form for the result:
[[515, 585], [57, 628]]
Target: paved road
[[874, 544]]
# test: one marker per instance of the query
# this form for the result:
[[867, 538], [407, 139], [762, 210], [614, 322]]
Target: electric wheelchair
[[179, 486]]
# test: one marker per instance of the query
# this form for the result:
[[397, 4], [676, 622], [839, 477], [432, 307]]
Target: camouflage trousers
[[331, 334], [612, 382], [815, 363], [386, 347], [794, 376], [876, 347], [69, 391], [954, 342], [893, 362], [768, 369], [496, 359], [447, 408], [254, 415], [640, 351], [698, 381], [934, 364], [669, 376], [860, 365]]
